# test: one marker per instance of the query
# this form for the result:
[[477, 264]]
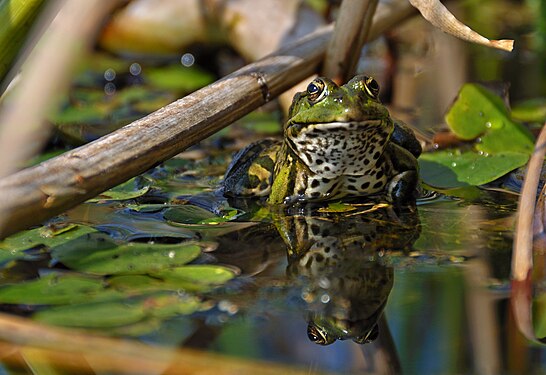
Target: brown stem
[[351, 32], [522, 257]]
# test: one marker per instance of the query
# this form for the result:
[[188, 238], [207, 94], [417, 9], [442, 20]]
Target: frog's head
[[325, 102], [325, 331], [327, 121]]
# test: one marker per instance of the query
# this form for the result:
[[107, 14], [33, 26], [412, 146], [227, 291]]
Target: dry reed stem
[[522, 257], [351, 32]]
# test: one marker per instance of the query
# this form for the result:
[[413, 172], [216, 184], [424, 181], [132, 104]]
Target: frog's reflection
[[335, 257]]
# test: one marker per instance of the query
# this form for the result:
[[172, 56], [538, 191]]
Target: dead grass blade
[[438, 15]]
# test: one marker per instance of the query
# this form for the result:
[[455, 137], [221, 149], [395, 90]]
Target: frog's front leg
[[402, 188]]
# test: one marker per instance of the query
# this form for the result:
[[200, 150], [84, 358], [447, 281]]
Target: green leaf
[[48, 236], [128, 190], [121, 312], [477, 112], [454, 169], [178, 77], [533, 110], [197, 274], [99, 255], [188, 214], [55, 289]]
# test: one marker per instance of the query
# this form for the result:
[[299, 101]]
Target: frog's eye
[[316, 90], [371, 86]]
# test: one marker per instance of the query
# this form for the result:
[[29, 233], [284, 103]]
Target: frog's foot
[[402, 189]]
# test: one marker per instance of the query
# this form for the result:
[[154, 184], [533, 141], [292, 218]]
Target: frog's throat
[[335, 148]]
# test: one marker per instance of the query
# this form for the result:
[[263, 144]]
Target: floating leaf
[[478, 112], [122, 312], [128, 190], [99, 255], [47, 236], [504, 145], [188, 214], [452, 169], [55, 289], [195, 277], [178, 77]]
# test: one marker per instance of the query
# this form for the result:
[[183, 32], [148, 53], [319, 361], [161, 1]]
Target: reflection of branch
[[35, 194], [483, 323], [45, 75], [75, 351]]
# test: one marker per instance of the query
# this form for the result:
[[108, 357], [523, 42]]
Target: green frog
[[339, 141]]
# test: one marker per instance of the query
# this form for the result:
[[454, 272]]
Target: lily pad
[[455, 169], [503, 146], [128, 190], [122, 312], [99, 255], [192, 276], [47, 236], [477, 112], [55, 289], [188, 214]]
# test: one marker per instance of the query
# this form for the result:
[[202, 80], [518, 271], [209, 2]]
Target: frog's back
[[250, 173]]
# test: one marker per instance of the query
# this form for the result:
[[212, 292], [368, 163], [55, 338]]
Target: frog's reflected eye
[[315, 90], [371, 86], [318, 336]]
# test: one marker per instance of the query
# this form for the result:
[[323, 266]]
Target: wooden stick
[[522, 256], [32, 195], [351, 32]]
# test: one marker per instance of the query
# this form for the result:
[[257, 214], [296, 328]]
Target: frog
[[339, 142]]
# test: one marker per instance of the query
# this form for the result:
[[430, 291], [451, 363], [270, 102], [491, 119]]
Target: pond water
[[418, 291]]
